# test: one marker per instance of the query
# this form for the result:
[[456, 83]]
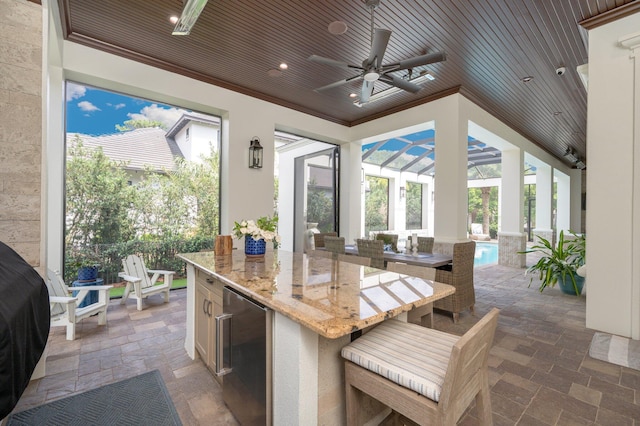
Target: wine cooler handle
[[220, 320]]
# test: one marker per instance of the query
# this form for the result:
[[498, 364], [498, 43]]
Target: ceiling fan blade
[[417, 61], [400, 82], [367, 89], [338, 83], [190, 13], [332, 62], [378, 47]]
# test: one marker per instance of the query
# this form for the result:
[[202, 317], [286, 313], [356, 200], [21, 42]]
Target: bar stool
[[425, 375]]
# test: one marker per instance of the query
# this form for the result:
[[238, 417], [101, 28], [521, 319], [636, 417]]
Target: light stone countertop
[[330, 297]]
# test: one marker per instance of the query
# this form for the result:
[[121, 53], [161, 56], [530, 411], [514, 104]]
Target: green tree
[[414, 205], [203, 183], [98, 197], [139, 124], [320, 209], [376, 204], [483, 207]]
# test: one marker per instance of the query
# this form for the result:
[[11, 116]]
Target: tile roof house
[[157, 149]]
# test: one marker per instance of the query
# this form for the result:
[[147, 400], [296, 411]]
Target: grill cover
[[24, 325]]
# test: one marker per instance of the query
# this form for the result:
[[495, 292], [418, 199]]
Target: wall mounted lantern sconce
[[255, 153], [403, 192]]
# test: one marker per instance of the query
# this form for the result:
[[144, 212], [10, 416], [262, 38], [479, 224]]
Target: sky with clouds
[[95, 112]]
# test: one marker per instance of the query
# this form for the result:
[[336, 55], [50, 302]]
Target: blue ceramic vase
[[254, 248]]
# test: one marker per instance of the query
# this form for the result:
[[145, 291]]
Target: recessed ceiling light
[[352, 95], [173, 19], [274, 73], [557, 112], [526, 79], [337, 27], [283, 66]]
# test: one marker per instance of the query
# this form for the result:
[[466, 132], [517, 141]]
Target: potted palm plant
[[559, 264]]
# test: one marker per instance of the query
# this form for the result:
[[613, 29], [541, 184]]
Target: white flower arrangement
[[263, 228]]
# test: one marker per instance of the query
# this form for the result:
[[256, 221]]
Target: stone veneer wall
[[21, 128], [509, 244]]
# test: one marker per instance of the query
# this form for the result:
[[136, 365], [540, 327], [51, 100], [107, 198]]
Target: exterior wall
[[613, 230], [20, 128], [200, 136]]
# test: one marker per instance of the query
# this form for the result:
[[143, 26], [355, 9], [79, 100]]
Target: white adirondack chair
[[139, 284], [64, 307]]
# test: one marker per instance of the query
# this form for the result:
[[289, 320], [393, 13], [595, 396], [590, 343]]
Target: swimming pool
[[486, 253]]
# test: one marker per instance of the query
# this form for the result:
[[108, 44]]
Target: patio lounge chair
[[65, 308], [139, 284]]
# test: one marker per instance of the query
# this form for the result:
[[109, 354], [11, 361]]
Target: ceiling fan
[[373, 69], [190, 13]]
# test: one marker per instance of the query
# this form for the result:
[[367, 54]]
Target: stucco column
[[613, 181], [563, 202], [351, 192], [544, 202], [236, 176], [511, 239], [575, 214], [451, 194]]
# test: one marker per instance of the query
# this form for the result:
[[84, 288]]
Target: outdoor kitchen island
[[316, 304]]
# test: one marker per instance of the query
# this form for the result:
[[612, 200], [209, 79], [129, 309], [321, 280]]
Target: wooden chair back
[[135, 267], [56, 287], [467, 372]]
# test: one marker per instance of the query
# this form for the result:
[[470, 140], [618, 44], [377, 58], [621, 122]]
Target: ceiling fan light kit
[[190, 14], [373, 69]]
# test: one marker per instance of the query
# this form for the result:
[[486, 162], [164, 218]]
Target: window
[[133, 184], [376, 216], [414, 205]]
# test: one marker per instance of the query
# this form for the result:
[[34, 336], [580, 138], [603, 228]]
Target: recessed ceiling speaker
[[338, 27]]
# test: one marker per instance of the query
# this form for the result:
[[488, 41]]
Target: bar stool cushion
[[412, 356]]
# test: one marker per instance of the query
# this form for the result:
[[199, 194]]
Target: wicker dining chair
[[425, 244], [334, 244], [321, 253], [318, 239], [373, 249], [358, 260], [461, 277], [422, 315]]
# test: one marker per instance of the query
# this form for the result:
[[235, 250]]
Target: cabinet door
[[203, 328]]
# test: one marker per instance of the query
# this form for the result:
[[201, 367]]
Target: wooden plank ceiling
[[490, 47]]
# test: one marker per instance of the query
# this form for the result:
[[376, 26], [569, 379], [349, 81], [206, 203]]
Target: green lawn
[[116, 292]]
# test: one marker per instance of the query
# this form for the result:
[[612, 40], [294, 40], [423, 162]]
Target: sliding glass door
[[315, 194]]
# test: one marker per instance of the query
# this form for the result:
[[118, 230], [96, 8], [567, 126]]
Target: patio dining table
[[430, 260]]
